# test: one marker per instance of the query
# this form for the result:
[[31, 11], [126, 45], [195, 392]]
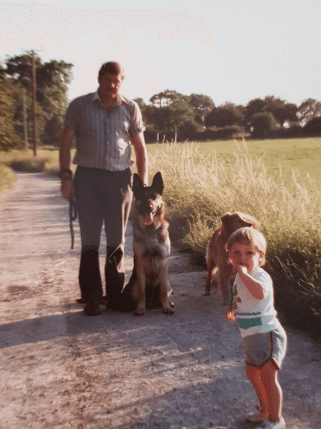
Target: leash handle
[[72, 215]]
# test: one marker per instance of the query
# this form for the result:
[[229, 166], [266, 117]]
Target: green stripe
[[249, 323]]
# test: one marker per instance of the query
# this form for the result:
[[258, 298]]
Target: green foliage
[[8, 140], [170, 114], [224, 116], [262, 125], [308, 109], [53, 131], [202, 105], [281, 110], [52, 79]]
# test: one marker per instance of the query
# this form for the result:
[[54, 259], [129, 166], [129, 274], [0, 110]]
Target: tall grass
[[24, 160], [200, 189], [7, 178]]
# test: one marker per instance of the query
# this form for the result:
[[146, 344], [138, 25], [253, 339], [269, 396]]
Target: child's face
[[244, 254]]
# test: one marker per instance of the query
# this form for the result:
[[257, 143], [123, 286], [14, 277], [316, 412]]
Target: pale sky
[[230, 50]]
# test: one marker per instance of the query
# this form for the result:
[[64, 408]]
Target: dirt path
[[61, 369]]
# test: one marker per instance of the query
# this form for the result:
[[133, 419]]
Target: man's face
[[109, 84]]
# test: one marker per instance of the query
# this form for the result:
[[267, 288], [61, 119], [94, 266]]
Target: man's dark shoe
[[82, 301], [92, 309]]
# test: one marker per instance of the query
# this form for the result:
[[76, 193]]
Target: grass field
[[280, 157], [277, 181]]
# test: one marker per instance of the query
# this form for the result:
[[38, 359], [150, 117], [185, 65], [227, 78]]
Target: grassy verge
[[199, 190], [23, 160], [7, 178]]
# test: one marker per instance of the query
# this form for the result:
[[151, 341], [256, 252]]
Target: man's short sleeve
[[72, 116], [137, 125]]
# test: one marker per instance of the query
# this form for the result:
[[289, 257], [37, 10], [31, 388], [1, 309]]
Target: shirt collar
[[120, 99]]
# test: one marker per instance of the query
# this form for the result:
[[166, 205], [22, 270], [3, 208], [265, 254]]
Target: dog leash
[[72, 214]]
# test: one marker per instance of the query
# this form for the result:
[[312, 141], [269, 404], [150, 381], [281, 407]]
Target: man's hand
[[65, 189]]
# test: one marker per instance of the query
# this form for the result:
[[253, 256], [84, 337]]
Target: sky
[[230, 50]]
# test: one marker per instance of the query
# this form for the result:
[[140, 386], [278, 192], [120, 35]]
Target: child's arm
[[256, 289]]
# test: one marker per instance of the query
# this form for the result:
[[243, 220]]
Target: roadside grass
[[199, 189], [7, 178], [25, 161], [266, 179]]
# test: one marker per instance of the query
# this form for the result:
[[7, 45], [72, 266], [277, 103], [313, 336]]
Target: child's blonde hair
[[248, 235]]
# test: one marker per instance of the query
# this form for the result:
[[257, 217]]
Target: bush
[[313, 127], [263, 124], [286, 133], [225, 133]]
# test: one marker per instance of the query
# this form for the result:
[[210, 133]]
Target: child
[[264, 338]]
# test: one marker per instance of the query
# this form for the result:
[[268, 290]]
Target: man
[[105, 125]]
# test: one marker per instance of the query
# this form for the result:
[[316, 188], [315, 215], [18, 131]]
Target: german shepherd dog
[[216, 255], [149, 286]]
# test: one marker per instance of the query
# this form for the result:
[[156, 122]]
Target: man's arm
[[138, 141], [65, 159]]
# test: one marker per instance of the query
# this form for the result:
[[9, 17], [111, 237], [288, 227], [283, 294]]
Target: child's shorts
[[260, 348]]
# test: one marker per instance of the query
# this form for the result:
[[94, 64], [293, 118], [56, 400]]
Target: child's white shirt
[[254, 316]]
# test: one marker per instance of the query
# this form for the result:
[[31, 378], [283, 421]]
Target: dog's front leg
[[167, 309], [140, 284]]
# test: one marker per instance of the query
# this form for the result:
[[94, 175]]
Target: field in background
[[302, 155]]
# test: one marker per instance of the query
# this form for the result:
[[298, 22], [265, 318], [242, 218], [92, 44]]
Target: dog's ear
[[158, 183], [138, 185], [225, 219]]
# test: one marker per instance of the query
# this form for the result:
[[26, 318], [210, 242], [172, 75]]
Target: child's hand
[[230, 315], [241, 269]]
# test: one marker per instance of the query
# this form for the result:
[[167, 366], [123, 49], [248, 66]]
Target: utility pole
[[34, 106], [24, 112]]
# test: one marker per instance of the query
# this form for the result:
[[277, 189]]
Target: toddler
[[264, 337]]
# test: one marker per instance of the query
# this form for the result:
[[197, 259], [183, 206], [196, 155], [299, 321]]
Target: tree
[[282, 111], [287, 113], [167, 97], [202, 105], [141, 103], [262, 125], [8, 140], [169, 113], [224, 116], [308, 109], [52, 79], [253, 107]]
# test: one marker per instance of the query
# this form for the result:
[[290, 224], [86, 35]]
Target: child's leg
[[269, 377], [254, 375]]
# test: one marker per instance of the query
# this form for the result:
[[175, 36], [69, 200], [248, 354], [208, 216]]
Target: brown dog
[[149, 285], [216, 255]]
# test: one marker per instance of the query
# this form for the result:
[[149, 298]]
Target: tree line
[[171, 116], [168, 116]]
